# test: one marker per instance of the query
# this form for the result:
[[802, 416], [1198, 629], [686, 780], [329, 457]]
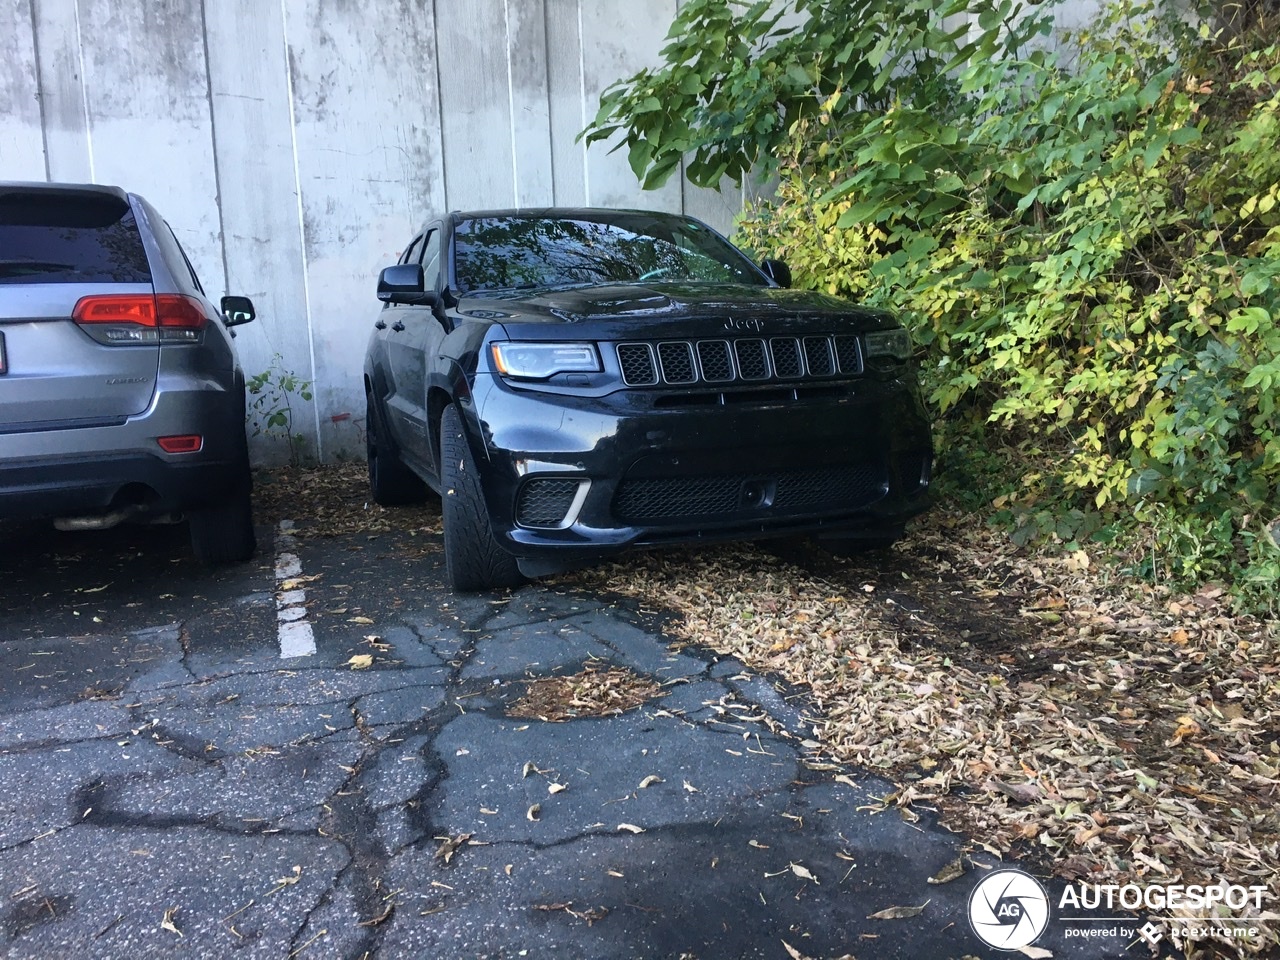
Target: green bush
[[1084, 239]]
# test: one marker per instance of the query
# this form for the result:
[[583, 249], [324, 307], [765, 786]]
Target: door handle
[[397, 326], [381, 325]]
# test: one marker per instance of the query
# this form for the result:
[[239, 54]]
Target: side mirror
[[404, 283], [237, 310], [777, 271]]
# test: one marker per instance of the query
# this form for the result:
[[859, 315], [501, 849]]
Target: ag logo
[[1008, 910]]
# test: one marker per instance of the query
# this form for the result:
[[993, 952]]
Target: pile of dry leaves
[[596, 691], [334, 499]]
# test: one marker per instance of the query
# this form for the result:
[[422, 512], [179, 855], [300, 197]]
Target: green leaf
[[799, 75]]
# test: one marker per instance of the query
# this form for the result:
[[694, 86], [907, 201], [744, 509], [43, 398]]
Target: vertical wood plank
[[21, 133], [257, 186], [566, 102], [68, 150], [367, 120], [475, 90], [530, 101], [618, 38]]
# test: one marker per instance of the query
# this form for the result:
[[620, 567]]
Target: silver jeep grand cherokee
[[120, 394]]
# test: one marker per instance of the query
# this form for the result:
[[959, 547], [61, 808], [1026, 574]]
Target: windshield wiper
[[19, 268]]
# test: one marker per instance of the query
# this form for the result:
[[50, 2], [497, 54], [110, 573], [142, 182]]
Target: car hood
[[667, 309]]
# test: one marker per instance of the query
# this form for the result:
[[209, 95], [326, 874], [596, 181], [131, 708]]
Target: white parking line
[[296, 637]]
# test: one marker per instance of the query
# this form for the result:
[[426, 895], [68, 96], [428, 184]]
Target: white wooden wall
[[296, 145]]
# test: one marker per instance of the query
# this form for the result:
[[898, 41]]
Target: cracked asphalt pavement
[[171, 786]]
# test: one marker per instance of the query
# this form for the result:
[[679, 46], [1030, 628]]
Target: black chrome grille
[[724, 496], [714, 360], [636, 362], [817, 356], [748, 360], [753, 364], [786, 357], [677, 363], [544, 503], [848, 356]]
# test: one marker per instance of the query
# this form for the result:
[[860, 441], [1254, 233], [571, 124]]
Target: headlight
[[537, 361], [889, 343]]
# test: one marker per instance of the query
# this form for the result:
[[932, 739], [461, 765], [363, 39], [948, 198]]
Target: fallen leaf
[[898, 913], [952, 871], [361, 661], [364, 620], [282, 882], [630, 828], [556, 787], [650, 781], [168, 924], [794, 953], [532, 813], [449, 846], [1036, 953], [590, 916], [374, 921], [691, 788], [803, 872]]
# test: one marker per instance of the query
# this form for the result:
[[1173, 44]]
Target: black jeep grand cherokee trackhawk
[[575, 382]]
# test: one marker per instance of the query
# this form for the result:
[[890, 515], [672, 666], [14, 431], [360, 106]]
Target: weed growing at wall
[[270, 412]]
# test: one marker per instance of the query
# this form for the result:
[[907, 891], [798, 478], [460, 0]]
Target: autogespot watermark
[[1009, 910]]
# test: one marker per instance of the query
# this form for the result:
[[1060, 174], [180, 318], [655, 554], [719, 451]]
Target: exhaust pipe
[[99, 521]]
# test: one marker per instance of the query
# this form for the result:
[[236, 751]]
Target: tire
[[223, 533], [391, 483], [473, 558]]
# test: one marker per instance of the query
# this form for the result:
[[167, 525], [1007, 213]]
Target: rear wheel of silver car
[[474, 560], [391, 483], [223, 533]]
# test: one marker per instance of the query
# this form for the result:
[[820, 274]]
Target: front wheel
[[473, 558]]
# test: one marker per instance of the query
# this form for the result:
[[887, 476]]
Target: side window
[[431, 261], [413, 251], [190, 269]]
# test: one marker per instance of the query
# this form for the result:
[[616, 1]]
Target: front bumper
[[633, 468]]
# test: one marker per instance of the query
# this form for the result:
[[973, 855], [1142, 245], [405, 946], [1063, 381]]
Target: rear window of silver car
[[51, 238]]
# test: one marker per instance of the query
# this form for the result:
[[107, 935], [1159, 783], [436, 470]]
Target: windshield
[[511, 252]]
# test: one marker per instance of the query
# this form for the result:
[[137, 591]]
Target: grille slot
[[677, 362], [636, 362], [725, 496], [817, 356], [544, 503], [848, 356], [714, 360], [786, 357], [753, 363]]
